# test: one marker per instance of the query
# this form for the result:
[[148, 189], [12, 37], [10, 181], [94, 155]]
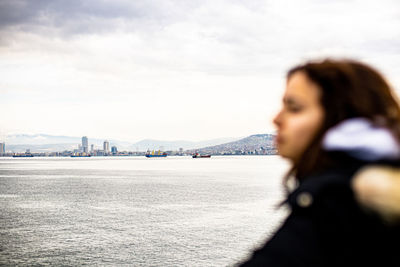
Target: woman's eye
[[294, 108]]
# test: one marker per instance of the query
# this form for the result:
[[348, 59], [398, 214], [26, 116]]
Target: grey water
[[134, 211]]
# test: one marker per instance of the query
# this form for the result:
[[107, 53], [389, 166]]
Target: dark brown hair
[[348, 89]]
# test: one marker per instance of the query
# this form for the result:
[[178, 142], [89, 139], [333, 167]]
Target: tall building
[[106, 147], [85, 144], [2, 149], [114, 150], [91, 148]]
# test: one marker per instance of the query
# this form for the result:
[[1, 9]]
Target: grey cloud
[[75, 16]]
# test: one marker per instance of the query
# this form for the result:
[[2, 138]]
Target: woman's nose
[[278, 119]]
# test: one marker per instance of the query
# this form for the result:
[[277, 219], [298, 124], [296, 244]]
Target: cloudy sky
[[173, 69]]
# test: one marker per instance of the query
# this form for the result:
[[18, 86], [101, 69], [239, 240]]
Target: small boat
[[197, 155], [158, 154]]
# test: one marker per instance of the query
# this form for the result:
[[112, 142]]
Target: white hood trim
[[361, 139]]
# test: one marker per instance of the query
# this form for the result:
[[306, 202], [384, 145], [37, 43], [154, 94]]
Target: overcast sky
[[173, 70]]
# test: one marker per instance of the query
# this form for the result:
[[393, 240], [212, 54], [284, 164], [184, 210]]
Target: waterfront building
[[106, 147], [91, 148], [114, 150], [2, 149], [85, 144], [99, 153]]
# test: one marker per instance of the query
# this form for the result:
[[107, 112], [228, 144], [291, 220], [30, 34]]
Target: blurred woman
[[338, 116]]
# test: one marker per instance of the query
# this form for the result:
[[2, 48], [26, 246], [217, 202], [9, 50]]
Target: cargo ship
[[157, 154], [197, 155], [80, 155], [23, 155]]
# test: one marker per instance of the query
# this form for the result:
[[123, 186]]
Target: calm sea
[[134, 211]]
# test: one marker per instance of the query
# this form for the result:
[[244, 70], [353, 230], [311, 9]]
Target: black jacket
[[326, 227]]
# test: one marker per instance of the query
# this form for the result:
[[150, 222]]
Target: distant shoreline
[[115, 156]]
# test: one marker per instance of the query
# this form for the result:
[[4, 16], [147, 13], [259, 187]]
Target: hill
[[258, 144]]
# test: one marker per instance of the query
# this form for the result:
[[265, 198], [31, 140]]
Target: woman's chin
[[286, 156]]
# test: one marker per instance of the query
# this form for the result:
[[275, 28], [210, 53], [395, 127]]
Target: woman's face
[[300, 117]]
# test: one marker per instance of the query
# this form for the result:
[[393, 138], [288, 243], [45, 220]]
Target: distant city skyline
[[42, 142], [259, 144], [174, 70]]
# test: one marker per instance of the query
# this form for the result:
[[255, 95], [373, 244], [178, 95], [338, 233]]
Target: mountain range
[[52, 143]]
